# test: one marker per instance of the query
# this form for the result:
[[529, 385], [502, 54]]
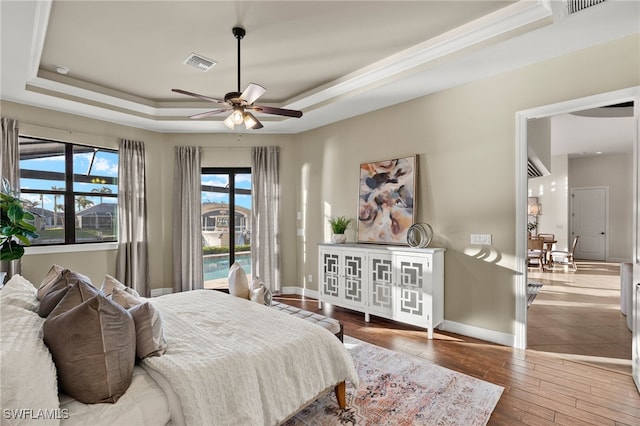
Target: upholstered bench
[[330, 324]]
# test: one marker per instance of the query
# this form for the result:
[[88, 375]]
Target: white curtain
[[265, 213], [9, 154], [132, 265], [187, 228], [10, 169]]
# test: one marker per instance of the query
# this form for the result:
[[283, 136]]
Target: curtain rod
[[234, 148]]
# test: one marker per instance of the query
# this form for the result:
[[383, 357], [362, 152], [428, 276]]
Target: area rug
[[398, 389], [533, 288]]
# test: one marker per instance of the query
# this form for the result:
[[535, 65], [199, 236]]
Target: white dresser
[[400, 283]]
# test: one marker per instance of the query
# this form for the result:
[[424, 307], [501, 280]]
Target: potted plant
[[531, 227], [15, 230], [338, 226]]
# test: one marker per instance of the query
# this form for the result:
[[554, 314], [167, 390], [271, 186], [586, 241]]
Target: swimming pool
[[216, 266]]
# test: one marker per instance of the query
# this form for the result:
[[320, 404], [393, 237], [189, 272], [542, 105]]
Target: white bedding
[[144, 403], [231, 361]]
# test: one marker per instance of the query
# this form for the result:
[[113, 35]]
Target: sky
[[106, 164], [243, 181]]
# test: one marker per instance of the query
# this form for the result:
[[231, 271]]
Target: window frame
[[69, 194], [231, 191]]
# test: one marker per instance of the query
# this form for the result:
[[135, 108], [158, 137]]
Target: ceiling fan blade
[[209, 113], [276, 111], [252, 93], [206, 98]]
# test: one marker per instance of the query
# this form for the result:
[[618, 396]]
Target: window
[[71, 189], [226, 223]]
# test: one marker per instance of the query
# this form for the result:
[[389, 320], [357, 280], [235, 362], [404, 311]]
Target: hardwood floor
[[540, 388], [578, 314]]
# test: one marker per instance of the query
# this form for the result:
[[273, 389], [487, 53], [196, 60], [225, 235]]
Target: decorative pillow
[[150, 340], [255, 284], [125, 299], [238, 282], [257, 295], [110, 283], [58, 289], [51, 278], [93, 347], [19, 292], [77, 294], [268, 297]]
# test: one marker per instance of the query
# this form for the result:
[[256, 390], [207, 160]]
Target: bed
[[228, 361]]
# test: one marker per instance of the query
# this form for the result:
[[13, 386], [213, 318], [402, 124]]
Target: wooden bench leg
[[341, 394]]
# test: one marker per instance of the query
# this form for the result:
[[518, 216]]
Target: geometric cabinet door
[[413, 291], [330, 275]]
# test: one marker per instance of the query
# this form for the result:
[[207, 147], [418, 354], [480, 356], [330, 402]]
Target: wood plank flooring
[[578, 313], [541, 388]]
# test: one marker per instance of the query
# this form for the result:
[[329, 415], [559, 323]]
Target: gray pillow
[[93, 346], [150, 340], [56, 290]]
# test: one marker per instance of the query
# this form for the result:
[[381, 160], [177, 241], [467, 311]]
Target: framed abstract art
[[386, 200]]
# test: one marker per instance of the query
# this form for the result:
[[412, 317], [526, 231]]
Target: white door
[[589, 221]]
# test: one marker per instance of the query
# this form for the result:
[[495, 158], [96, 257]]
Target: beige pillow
[[150, 340], [58, 289], [93, 347], [125, 299], [110, 283], [238, 282], [52, 277], [257, 295]]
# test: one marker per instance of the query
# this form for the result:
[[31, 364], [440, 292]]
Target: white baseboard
[[155, 292], [300, 292], [479, 333]]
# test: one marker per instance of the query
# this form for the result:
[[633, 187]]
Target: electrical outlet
[[309, 278], [481, 239]]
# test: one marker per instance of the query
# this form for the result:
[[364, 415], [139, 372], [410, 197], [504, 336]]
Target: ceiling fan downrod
[[239, 34]]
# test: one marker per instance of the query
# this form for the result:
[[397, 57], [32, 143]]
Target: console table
[[399, 283]]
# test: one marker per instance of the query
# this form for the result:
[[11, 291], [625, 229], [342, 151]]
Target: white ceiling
[[331, 59]]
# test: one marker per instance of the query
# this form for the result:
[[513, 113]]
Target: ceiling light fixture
[[62, 70]]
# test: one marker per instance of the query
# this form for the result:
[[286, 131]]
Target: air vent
[[577, 5], [532, 170], [200, 62]]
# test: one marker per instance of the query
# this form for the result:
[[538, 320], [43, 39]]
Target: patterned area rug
[[398, 389]]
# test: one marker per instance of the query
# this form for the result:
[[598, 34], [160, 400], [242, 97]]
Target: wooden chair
[[535, 253], [566, 257], [548, 245]]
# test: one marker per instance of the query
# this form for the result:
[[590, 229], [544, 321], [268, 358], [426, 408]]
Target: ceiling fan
[[241, 103]]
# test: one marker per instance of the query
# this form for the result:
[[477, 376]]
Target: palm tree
[[83, 202], [103, 190], [55, 204]]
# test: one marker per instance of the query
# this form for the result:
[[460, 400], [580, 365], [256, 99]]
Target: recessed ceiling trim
[[43, 9], [510, 18]]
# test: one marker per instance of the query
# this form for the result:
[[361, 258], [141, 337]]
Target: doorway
[[522, 117]]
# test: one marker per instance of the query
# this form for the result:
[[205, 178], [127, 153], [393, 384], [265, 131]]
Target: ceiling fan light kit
[[241, 103]]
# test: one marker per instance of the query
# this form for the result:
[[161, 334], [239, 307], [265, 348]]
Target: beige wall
[[465, 141], [615, 172]]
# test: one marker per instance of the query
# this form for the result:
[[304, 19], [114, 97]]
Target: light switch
[[481, 239]]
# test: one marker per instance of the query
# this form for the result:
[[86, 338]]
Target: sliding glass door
[[226, 223]]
